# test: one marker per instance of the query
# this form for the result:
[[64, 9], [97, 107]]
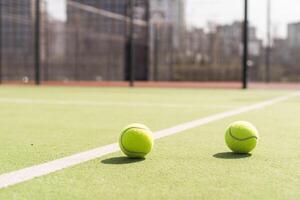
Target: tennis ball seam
[[122, 142], [240, 139]]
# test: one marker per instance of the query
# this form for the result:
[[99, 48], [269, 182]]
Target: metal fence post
[[268, 46], [147, 40], [171, 56], [37, 43], [156, 56], [245, 49], [129, 43], [0, 42]]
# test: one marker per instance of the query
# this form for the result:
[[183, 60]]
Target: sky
[[200, 12], [57, 8]]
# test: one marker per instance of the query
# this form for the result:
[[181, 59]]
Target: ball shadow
[[231, 155], [121, 160]]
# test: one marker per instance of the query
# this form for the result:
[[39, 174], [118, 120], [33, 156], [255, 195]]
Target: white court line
[[101, 103], [29, 173]]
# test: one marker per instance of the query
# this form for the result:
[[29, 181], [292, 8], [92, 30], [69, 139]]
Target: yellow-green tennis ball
[[241, 137], [136, 140]]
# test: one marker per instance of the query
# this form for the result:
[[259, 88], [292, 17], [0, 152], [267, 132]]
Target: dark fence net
[[91, 40], [91, 45], [17, 40]]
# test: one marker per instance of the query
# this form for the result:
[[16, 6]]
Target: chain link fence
[[109, 40], [17, 40]]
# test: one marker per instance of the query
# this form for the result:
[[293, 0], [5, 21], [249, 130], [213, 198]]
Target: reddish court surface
[[160, 84], [293, 86]]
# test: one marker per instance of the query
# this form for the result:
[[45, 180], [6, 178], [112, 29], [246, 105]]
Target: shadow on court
[[231, 155], [121, 160]]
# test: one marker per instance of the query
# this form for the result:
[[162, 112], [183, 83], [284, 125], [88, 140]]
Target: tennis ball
[[241, 137], [136, 140]]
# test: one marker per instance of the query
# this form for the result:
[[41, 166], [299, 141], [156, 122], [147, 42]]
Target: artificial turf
[[193, 164]]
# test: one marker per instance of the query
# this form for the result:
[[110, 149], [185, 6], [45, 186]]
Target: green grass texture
[[194, 164]]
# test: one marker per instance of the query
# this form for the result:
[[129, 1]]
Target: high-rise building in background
[[220, 48], [197, 45], [167, 37], [294, 35], [170, 12], [292, 69], [226, 43]]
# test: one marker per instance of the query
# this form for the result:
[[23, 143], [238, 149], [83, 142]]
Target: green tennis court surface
[[43, 124]]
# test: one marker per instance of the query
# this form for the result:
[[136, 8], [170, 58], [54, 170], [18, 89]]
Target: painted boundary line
[[22, 175], [95, 103]]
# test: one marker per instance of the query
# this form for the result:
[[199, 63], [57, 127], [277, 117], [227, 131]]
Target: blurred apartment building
[[222, 44], [220, 47], [285, 55], [167, 37], [172, 13], [226, 43], [294, 35]]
